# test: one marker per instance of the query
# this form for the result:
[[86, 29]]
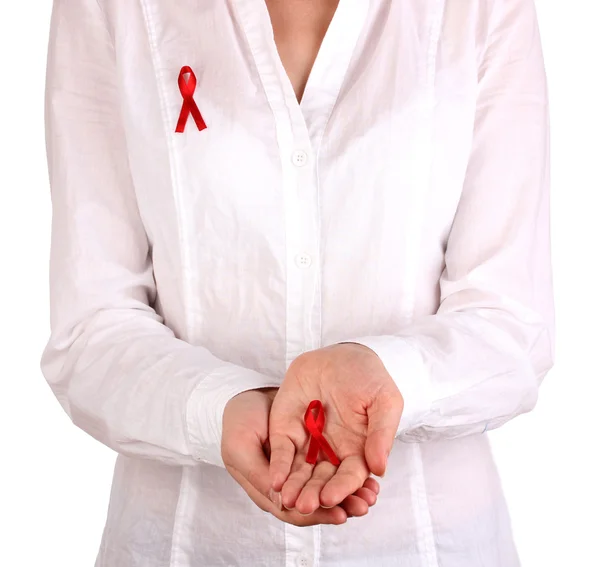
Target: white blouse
[[404, 204]]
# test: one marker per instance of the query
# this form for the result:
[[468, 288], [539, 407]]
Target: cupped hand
[[245, 452], [362, 407]]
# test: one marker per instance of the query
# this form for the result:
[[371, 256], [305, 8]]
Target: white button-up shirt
[[403, 205]]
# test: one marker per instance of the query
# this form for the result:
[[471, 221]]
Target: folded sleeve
[[479, 361], [118, 371]]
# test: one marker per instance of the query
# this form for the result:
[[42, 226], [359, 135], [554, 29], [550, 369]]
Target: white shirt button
[[299, 158], [303, 261], [303, 561]]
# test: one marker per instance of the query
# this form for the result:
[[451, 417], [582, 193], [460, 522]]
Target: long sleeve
[[479, 361], [117, 370]]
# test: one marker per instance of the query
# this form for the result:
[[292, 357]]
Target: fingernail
[[327, 507], [275, 497]]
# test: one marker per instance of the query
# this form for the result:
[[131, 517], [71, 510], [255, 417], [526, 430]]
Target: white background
[[55, 480]]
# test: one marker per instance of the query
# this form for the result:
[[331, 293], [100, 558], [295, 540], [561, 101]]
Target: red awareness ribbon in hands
[[315, 428], [187, 89]]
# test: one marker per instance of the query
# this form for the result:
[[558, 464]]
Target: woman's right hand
[[244, 448]]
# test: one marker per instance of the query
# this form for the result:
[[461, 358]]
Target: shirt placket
[[299, 129]]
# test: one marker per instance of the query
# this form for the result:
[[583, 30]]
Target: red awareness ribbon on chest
[[315, 428], [187, 89]]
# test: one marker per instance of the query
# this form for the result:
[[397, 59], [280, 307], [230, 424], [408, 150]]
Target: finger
[[250, 469], [384, 418], [252, 465], [349, 477], [372, 484], [367, 495], [308, 501], [333, 516], [355, 506], [300, 474], [283, 452]]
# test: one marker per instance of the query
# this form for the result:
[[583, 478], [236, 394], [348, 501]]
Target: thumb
[[383, 420], [251, 463]]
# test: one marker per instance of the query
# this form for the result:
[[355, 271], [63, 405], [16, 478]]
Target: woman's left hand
[[363, 407]]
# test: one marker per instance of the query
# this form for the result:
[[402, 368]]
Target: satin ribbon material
[[187, 89], [315, 428]]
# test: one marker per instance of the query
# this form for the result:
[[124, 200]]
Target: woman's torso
[[284, 227]]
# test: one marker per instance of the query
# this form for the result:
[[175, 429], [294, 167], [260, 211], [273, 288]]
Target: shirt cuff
[[407, 368], [206, 405]]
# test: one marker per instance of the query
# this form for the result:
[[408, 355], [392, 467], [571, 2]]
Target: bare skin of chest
[[299, 27]]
